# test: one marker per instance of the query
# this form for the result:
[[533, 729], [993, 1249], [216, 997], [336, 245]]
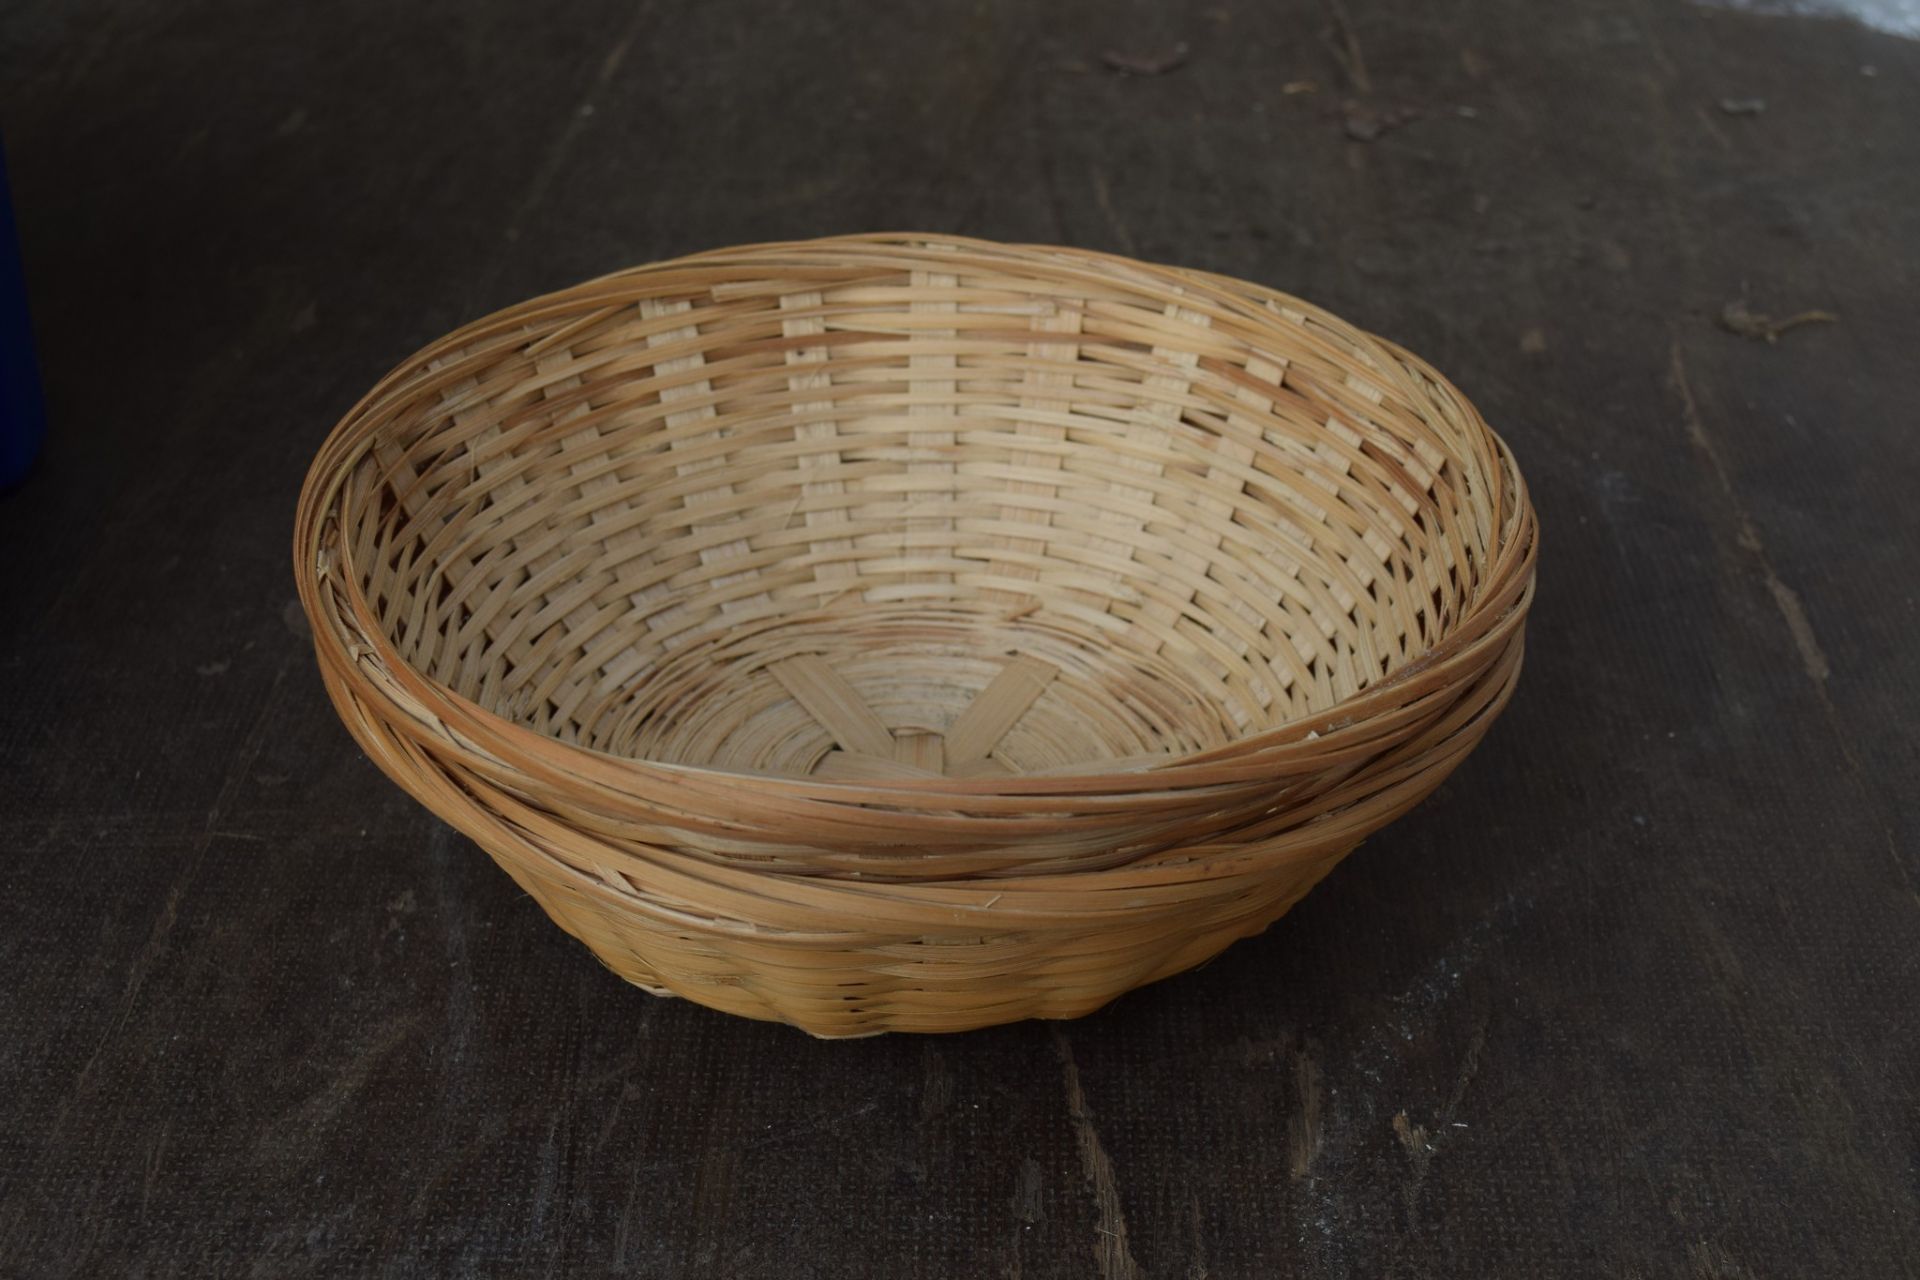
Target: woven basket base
[[873, 693]]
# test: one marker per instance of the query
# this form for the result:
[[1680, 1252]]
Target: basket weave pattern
[[913, 633]]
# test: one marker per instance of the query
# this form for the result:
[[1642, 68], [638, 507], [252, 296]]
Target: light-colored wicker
[[913, 633]]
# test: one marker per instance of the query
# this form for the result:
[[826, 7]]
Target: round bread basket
[[914, 633]]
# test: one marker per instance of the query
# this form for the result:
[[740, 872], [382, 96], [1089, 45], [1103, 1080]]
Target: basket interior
[[908, 520]]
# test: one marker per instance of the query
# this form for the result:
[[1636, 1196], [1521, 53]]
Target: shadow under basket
[[913, 633]]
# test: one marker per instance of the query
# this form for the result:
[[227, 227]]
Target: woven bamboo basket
[[914, 633]]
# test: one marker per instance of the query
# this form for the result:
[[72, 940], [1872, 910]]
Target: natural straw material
[[914, 633]]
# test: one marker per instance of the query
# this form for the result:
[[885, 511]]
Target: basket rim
[[481, 736]]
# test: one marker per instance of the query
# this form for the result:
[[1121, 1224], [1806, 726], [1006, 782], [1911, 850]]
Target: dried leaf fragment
[[1147, 64]]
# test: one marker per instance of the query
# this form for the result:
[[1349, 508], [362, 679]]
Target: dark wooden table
[[1634, 995]]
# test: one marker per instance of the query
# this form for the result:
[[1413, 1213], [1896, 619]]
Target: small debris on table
[[1146, 64], [1738, 318], [1292, 87], [1743, 106], [1365, 121], [1412, 1136], [1533, 342]]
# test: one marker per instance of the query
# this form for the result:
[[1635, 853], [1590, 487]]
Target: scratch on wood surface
[[1709, 1260], [107, 32], [1110, 1243], [1413, 1139], [1713, 130], [149, 955], [557, 153], [345, 1082], [714, 1182], [1048, 184], [487, 1132], [154, 1159], [546, 1179], [936, 1088], [1787, 600], [1197, 1265], [1027, 1191], [462, 1017], [1344, 44], [1656, 48], [624, 1232], [1422, 1145], [612, 1119], [1103, 196], [1028, 1208], [1469, 1067], [1900, 865], [1813, 659], [1304, 1127]]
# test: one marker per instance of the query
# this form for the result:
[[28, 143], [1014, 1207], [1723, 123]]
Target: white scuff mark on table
[[1895, 17]]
